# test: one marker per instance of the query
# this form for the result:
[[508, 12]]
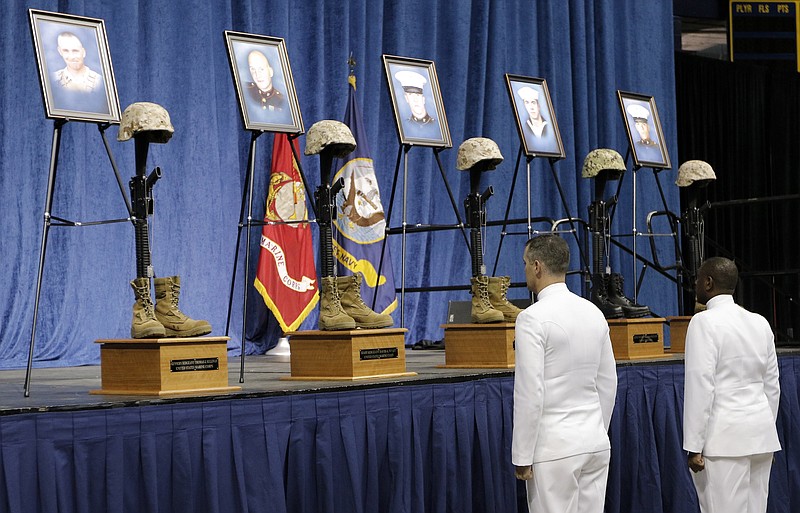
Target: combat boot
[[482, 311], [600, 297], [498, 288], [144, 324], [354, 306], [331, 314], [616, 295], [175, 322]]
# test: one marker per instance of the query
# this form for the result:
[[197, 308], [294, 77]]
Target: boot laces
[[360, 300], [335, 295], [174, 295], [617, 283], [503, 290], [483, 287], [143, 295]]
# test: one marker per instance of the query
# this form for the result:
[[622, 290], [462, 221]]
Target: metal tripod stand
[[248, 222], [51, 220]]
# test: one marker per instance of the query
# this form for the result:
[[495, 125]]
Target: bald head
[[716, 276], [260, 70]]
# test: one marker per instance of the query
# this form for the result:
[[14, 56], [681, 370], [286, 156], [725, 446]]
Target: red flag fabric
[[286, 277]]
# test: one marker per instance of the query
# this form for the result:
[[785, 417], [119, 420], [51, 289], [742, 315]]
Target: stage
[[55, 389], [435, 442]]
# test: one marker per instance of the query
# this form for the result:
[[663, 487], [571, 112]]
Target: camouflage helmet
[[603, 160], [147, 117], [330, 134], [693, 171], [478, 150]]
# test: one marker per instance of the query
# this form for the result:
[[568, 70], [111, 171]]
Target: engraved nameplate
[[378, 353], [194, 364], [644, 338]]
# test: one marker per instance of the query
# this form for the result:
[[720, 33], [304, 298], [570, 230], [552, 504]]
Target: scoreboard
[[764, 32]]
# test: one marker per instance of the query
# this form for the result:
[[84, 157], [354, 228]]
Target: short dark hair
[[723, 271], [551, 250], [68, 34]]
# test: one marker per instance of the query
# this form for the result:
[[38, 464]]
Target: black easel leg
[[452, 199], [675, 241], [236, 252], [584, 258], [102, 128], [251, 166], [388, 219], [48, 206], [508, 210], [302, 175]]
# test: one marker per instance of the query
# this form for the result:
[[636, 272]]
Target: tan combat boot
[[331, 314], [354, 306], [498, 288], [175, 322], [144, 323], [482, 311]]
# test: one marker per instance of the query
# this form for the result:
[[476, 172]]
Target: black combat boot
[[600, 297], [617, 296]]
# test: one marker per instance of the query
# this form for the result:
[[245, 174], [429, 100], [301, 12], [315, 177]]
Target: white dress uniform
[[564, 391], [731, 397]]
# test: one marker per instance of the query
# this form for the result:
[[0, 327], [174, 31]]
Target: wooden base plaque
[[164, 366], [634, 339], [677, 333], [480, 346], [348, 354]]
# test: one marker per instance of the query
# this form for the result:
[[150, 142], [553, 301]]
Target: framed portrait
[[536, 118], [417, 102], [643, 127], [264, 85], [75, 72]]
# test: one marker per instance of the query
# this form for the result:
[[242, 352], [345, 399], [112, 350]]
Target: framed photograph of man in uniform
[[264, 85], [417, 102], [643, 126], [74, 62], [536, 119]]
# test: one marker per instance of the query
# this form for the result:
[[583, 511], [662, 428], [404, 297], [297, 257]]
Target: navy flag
[[359, 227]]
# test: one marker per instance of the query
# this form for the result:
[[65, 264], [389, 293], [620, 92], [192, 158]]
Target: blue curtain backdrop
[[173, 53], [422, 448]]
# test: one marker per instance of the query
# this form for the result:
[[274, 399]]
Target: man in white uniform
[[564, 389], [731, 397]]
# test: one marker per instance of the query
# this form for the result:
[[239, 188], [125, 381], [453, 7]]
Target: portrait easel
[[528, 220], [51, 220], [404, 229], [633, 251], [247, 199]]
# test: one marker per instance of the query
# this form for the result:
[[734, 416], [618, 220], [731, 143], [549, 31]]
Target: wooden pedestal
[[164, 366], [634, 339], [483, 346], [348, 354], [677, 333]]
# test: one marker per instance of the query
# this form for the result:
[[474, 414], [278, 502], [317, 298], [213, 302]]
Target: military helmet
[[141, 117], [693, 171], [478, 150], [331, 134], [603, 160]]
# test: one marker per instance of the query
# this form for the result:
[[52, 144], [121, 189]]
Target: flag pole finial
[[351, 64]]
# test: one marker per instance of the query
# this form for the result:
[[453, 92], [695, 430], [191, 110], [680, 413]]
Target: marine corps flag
[[360, 222], [286, 277]]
